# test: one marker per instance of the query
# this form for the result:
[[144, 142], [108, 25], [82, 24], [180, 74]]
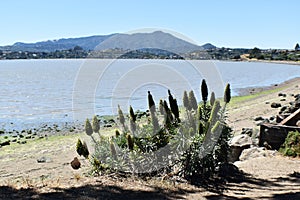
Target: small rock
[[267, 102], [43, 160], [111, 121], [247, 131], [283, 108], [75, 164], [107, 125], [282, 99], [275, 105], [258, 118]]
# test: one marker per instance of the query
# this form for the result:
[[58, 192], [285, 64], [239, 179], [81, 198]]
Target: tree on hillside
[[297, 47]]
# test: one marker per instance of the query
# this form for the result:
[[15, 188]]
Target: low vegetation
[[191, 143], [291, 146]]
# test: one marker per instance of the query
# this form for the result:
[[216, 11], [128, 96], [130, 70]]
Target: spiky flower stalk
[[212, 98], [185, 100], [113, 150], [204, 91], [161, 107], [121, 116], [88, 127], [174, 106], [151, 103], [168, 115], [130, 142], [214, 113], [227, 95], [192, 100], [132, 115], [132, 126], [200, 128], [95, 124], [117, 133], [199, 113]]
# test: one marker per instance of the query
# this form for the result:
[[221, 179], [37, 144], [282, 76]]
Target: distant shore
[[286, 62], [254, 90]]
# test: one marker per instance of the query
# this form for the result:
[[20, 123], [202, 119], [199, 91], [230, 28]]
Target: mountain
[[87, 43], [155, 40]]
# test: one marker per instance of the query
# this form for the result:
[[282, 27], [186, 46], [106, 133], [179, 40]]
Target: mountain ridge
[[157, 39]]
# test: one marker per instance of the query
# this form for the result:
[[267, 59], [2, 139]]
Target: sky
[[224, 23]]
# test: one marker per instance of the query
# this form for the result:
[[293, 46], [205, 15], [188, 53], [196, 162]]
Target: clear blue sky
[[229, 23]]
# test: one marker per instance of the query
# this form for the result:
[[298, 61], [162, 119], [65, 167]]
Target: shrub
[[197, 145], [291, 146]]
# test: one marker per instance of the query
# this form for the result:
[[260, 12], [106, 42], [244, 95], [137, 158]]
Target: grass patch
[[240, 99], [291, 146]]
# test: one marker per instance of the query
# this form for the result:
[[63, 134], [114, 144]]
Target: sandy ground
[[242, 114], [22, 177]]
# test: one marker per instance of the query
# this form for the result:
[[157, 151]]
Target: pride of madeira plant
[[194, 140]]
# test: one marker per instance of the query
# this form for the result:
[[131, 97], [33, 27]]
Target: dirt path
[[22, 177]]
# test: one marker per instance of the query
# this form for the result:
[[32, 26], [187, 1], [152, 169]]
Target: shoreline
[[285, 62], [255, 90]]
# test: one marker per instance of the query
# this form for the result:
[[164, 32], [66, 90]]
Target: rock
[[28, 137], [240, 140], [75, 164], [267, 102], [283, 108], [282, 99], [14, 140], [275, 105], [298, 123], [2, 131], [247, 131], [263, 122], [258, 118], [111, 121], [237, 145], [256, 152], [281, 95], [43, 160], [21, 142], [5, 143], [107, 125]]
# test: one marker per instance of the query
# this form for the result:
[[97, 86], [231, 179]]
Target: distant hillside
[[87, 43], [155, 40]]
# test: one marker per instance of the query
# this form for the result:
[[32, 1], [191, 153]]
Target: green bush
[[196, 145], [291, 146]]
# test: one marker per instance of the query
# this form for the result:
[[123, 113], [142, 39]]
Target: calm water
[[33, 92]]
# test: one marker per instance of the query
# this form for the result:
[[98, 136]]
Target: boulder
[[237, 145], [256, 152]]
